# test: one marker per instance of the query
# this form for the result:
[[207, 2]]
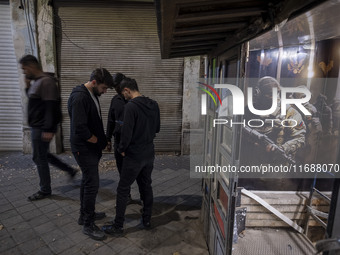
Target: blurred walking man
[[44, 115]]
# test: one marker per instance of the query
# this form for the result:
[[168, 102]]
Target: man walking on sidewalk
[[140, 125], [44, 115], [87, 142]]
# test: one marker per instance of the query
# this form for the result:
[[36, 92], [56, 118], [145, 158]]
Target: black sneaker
[[94, 232], [98, 216], [112, 230], [145, 224], [38, 196]]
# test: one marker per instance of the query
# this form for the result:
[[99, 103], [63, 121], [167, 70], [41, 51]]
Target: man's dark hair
[[28, 60], [117, 78], [129, 83], [101, 75]]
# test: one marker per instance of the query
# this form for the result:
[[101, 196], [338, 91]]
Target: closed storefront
[[10, 95], [121, 37]]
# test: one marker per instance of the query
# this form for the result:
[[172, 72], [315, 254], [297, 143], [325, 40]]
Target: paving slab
[[49, 226]]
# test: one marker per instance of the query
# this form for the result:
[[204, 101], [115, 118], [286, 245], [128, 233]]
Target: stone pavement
[[50, 226]]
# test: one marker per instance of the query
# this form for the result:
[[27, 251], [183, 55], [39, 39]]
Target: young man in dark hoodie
[[44, 115], [140, 125], [115, 122], [87, 142]]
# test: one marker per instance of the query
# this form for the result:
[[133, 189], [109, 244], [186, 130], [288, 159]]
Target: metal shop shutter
[[11, 132], [121, 37]]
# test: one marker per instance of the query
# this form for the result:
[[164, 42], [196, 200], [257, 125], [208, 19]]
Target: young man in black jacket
[[44, 115], [140, 125], [115, 122], [87, 142]]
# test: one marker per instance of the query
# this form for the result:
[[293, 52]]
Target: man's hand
[[109, 146], [47, 136], [93, 139], [27, 82], [123, 154]]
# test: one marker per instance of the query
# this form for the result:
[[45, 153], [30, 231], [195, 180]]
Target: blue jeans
[[42, 157], [88, 162], [134, 170]]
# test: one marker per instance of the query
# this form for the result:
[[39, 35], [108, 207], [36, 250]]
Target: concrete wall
[[47, 51], [192, 69], [24, 38], [35, 37], [46, 36]]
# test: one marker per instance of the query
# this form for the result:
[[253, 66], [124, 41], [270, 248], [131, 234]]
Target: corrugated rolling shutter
[[10, 97], [121, 37]]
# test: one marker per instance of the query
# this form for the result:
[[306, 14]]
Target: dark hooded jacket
[[140, 125], [115, 118], [85, 121], [43, 109]]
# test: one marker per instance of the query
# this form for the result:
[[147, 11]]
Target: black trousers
[[134, 170], [42, 157], [118, 156], [88, 162]]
